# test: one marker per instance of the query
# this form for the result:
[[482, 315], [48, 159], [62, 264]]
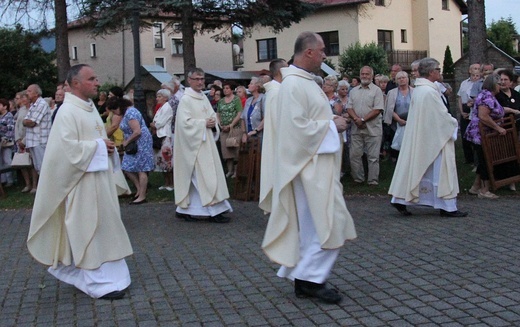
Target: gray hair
[[426, 65], [401, 73], [304, 41], [197, 71], [37, 88], [491, 82], [343, 83], [384, 78], [74, 72], [331, 78], [415, 64], [164, 93], [319, 80]]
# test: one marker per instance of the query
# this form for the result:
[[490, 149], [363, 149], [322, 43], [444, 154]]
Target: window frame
[[93, 50], [271, 51], [329, 47], [163, 61], [380, 3], [404, 36], [445, 4], [74, 54], [175, 41], [158, 33], [387, 39]]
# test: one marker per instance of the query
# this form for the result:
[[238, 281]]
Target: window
[[159, 62], [74, 55], [331, 40], [384, 39], [445, 5], [404, 37], [158, 35], [379, 2], [266, 49], [177, 47], [93, 53]]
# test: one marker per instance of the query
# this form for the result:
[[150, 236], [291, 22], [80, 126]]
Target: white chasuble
[[76, 217]]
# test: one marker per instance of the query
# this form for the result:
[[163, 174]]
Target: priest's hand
[[110, 146], [210, 122], [341, 123]]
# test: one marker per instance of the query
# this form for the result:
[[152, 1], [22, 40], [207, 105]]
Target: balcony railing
[[404, 57]]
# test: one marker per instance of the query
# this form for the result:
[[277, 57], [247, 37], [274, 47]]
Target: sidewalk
[[422, 270]]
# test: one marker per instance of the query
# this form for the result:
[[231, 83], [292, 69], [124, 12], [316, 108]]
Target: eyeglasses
[[198, 79], [438, 69]]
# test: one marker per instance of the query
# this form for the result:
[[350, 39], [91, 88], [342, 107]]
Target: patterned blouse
[[228, 111], [487, 99], [7, 126]]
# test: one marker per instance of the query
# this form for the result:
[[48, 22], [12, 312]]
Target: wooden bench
[[502, 152], [247, 182]]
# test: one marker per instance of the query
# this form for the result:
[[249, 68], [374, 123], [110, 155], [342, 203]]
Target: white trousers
[[315, 263], [428, 190], [197, 209], [109, 277]]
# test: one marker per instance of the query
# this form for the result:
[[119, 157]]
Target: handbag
[[157, 141], [398, 138], [5, 143], [233, 140], [21, 160], [131, 148]]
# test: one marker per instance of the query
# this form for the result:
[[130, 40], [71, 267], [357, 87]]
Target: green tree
[[34, 14], [447, 64], [357, 56], [109, 16], [501, 33], [24, 62]]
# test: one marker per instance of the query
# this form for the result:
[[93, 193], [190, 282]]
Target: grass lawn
[[17, 200]]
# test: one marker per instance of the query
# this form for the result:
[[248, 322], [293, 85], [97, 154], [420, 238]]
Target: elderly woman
[[136, 166], [253, 113], [228, 114], [330, 84], [6, 140], [161, 126], [396, 110], [22, 100], [487, 110], [241, 93]]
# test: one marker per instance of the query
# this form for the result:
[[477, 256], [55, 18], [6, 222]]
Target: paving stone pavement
[[422, 270]]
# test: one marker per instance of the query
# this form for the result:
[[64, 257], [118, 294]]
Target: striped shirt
[[40, 113]]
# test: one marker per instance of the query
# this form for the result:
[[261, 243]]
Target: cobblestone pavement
[[422, 270]]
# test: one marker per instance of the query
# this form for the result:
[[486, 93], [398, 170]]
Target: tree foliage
[[357, 56], [24, 62], [35, 15], [447, 64], [501, 33]]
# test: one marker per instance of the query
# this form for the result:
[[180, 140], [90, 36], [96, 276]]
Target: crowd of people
[[313, 130]]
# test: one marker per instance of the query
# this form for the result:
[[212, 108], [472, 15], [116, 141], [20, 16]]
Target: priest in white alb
[[269, 137], [76, 226], [309, 220], [426, 171], [200, 184]]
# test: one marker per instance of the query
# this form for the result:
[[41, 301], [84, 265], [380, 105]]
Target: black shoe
[[456, 214], [184, 216], [115, 295], [220, 218], [304, 289], [138, 202], [402, 209]]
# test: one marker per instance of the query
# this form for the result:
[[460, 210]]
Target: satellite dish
[[236, 49]]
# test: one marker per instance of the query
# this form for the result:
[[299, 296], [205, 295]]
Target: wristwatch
[[362, 119]]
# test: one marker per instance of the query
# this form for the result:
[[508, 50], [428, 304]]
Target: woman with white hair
[[161, 127]]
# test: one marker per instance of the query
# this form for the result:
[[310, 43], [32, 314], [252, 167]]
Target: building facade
[[406, 29], [112, 56]]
